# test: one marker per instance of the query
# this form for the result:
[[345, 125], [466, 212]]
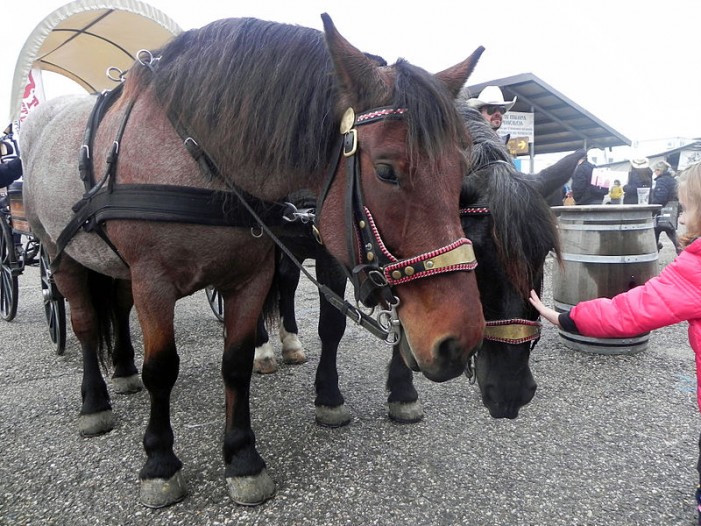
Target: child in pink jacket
[[672, 297]]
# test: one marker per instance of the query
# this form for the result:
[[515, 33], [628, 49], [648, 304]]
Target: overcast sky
[[633, 64]]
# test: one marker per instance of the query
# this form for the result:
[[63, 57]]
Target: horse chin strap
[[374, 269]]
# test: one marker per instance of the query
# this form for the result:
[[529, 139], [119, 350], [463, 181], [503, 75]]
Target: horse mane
[[524, 228], [263, 99]]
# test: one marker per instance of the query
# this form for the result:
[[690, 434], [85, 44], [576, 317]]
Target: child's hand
[[549, 314]]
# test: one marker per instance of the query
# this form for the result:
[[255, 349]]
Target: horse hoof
[[327, 416], [265, 366], [293, 356], [127, 384], [159, 493], [251, 491], [406, 412], [94, 424]]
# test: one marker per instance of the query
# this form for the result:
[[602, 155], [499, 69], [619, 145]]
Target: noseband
[[374, 269]]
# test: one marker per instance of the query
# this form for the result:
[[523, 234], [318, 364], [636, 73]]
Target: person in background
[[10, 171], [639, 176], [491, 104], [583, 191], [616, 192], [671, 297], [664, 192]]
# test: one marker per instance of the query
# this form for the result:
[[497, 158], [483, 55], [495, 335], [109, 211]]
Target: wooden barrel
[[19, 219], [606, 250]]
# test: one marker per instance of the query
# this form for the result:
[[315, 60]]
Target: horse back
[[50, 140]]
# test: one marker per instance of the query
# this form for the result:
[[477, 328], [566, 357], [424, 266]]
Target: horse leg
[[264, 359], [292, 349], [83, 289], [162, 483], [246, 475], [125, 379], [403, 400], [329, 402]]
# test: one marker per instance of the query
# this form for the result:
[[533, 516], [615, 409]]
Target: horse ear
[[357, 72], [454, 78]]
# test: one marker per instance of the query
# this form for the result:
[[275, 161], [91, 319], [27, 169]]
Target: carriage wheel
[[215, 302], [8, 273], [54, 304]]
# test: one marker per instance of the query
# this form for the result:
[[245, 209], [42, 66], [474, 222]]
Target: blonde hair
[[690, 191]]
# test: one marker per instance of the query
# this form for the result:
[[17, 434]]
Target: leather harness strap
[[165, 203]]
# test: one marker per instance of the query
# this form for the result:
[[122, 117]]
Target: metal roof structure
[[560, 125], [84, 38], [679, 158]]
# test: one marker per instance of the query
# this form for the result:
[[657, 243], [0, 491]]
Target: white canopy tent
[[83, 39]]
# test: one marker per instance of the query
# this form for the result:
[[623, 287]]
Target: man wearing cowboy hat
[[491, 105]]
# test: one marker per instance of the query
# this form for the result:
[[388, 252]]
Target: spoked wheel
[[215, 302], [54, 303], [8, 273]]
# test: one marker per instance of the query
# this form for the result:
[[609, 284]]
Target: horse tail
[[102, 294]]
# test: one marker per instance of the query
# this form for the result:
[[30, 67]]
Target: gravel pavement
[[607, 440]]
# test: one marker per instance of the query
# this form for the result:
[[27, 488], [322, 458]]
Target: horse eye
[[386, 173]]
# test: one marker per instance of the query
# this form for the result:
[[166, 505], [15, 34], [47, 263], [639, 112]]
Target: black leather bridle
[[374, 270]]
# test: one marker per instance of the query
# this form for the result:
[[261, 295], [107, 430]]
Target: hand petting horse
[[201, 141]]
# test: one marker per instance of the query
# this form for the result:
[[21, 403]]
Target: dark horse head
[[513, 230], [270, 104]]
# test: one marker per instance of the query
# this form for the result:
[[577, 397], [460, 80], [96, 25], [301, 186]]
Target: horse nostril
[[450, 350]]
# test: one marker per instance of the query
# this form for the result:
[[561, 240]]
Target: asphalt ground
[[607, 440]]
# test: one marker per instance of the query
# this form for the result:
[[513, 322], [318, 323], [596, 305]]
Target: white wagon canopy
[[81, 41]]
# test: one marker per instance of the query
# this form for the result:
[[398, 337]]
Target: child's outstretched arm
[[546, 312]]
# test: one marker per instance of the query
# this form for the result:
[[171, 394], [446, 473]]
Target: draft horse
[[201, 141], [505, 214]]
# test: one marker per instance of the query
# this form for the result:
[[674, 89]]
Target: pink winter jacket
[[672, 297]]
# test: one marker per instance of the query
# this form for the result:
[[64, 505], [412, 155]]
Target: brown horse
[[241, 113]]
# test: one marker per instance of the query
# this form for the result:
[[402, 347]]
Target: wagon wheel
[[8, 273], [54, 304], [215, 302]]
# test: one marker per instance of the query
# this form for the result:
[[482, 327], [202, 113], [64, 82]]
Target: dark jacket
[[637, 178], [10, 171], [583, 191], [665, 189]]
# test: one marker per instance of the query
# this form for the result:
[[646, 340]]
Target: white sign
[[687, 158], [33, 93], [518, 124], [603, 177]]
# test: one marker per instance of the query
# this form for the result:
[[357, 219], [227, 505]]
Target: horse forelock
[[524, 227], [434, 125]]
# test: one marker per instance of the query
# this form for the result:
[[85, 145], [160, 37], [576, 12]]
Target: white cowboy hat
[[491, 96], [640, 162]]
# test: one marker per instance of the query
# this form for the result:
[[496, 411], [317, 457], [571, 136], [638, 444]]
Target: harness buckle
[[350, 143], [317, 235], [377, 278]]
